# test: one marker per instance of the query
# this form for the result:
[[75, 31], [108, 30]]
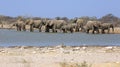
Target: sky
[[62, 8]]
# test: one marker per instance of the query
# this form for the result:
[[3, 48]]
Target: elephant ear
[[30, 21], [26, 21]]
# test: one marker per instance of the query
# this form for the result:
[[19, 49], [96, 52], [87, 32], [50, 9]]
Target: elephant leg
[[54, 30], [63, 30], [87, 31], [103, 31], [24, 28], [17, 29], [46, 30], [71, 30], [31, 28], [108, 31], [82, 29], [20, 28], [113, 29], [77, 29], [97, 31], [93, 31], [39, 29]]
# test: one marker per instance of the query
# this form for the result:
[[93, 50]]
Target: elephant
[[92, 25], [106, 26], [69, 27], [20, 25], [34, 24], [74, 26], [1, 25], [80, 24], [54, 25]]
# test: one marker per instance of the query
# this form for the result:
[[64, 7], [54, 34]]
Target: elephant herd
[[64, 26]]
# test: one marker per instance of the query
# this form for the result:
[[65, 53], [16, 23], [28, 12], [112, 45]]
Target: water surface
[[15, 38]]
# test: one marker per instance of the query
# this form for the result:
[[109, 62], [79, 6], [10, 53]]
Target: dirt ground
[[27, 56]]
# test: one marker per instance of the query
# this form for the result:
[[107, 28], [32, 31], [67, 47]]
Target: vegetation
[[83, 64], [107, 18]]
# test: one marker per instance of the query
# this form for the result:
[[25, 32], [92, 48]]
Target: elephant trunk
[[24, 28], [112, 28], [31, 28]]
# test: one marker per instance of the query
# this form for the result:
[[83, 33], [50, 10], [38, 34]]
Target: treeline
[[108, 18]]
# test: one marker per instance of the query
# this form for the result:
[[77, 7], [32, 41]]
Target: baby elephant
[[67, 28], [107, 26]]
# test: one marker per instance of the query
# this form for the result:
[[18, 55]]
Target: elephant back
[[107, 25], [37, 22], [20, 23], [80, 22], [60, 23], [95, 23], [29, 21], [67, 26]]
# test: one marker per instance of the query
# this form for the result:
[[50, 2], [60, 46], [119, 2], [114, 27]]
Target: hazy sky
[[53, 8]]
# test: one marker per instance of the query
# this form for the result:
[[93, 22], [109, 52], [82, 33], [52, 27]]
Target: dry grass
[[83, 64], [106, 65]]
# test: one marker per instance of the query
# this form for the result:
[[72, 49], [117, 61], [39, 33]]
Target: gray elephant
[[34, 24], [80, 23], [54, 25], [106, 26], [74, 26], [70, 27], [92, 25], [20, 25]]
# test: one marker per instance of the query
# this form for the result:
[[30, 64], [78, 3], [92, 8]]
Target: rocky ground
[[29, 56]]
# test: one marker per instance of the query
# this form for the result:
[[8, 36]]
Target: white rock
[[34, 52], [109, 47], [117, 62], [84, 48], [77, 48]]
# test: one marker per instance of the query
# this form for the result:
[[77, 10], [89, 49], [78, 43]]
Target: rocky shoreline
[[67, 49]]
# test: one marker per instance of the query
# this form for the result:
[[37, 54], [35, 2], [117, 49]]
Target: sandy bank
[[52, 56]]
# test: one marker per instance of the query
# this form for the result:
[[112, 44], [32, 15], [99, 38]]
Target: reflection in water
[[14, 38]]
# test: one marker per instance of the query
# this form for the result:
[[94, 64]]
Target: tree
[[65, 19], [109, 18], [57, 18]]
